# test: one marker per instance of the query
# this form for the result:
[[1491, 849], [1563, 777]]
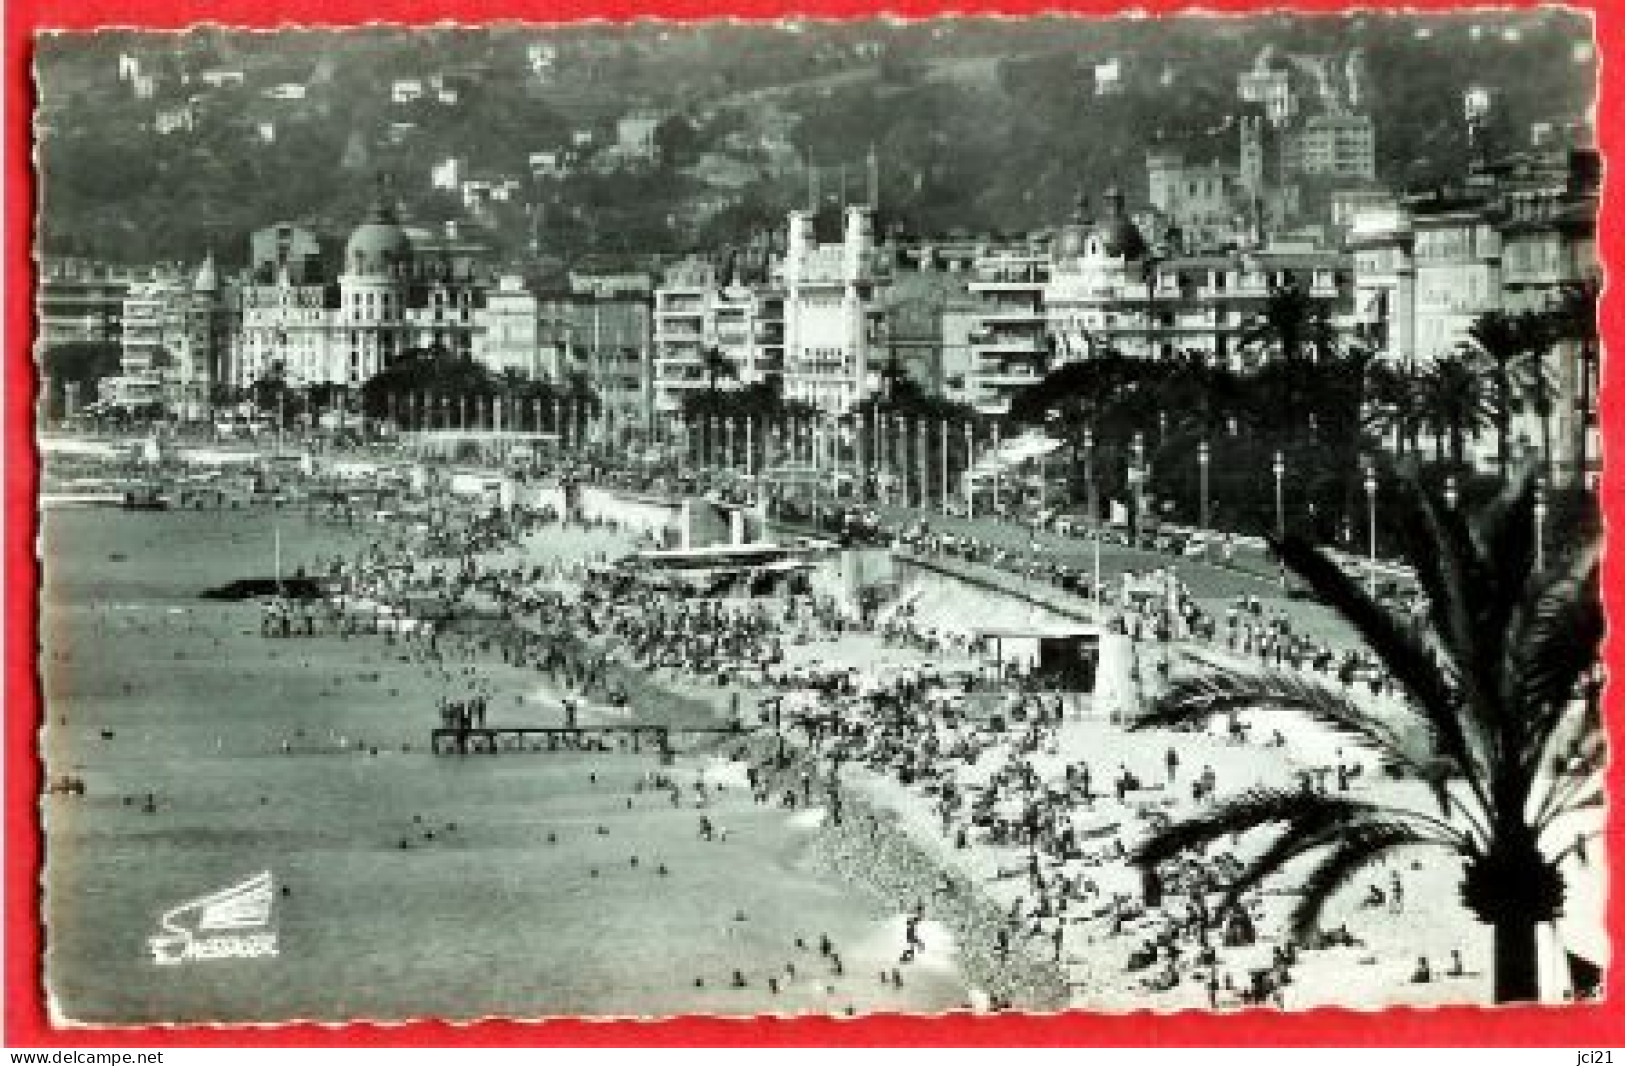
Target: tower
[[1252, 155], [378, 263], [857, 242], [1162, 169], [795, 250]]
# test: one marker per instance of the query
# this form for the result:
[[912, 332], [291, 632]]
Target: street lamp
[[1540, 524], [1371, 516], [1089, 469], [1139, 482], [1094, 512], [1203, 456], [1278, 467]]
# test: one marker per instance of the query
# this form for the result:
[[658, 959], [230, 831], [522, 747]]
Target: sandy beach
[[524, 909], [586, 883]]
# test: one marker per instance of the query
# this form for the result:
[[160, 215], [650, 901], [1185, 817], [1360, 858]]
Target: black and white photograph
[[819, 518]]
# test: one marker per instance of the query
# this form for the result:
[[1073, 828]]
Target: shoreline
[[336, 815]]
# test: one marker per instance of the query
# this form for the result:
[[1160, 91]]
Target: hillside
[[976, 125]]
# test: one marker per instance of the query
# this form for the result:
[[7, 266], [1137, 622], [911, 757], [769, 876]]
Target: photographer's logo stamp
[[233, 923]]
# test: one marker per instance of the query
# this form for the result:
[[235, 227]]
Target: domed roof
[[1069, 243], [378, 244]]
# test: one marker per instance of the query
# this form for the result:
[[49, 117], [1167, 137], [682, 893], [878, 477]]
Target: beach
[[488, 918], [888, 860]]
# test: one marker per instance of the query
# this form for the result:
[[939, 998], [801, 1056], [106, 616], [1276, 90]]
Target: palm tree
[[1075, 399], [1195, 391], [1503, 344], [1454, 405], [716, 366], [1536, 386], [1295, 328], [1492, 690], [1394, 404], [1573, 318]]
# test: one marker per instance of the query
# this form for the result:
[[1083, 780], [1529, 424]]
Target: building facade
[[393, 289], [604, 339], [81, 302], [1339, 145], [832, 313], [1517, 237], [709, 334], [1007, 343]]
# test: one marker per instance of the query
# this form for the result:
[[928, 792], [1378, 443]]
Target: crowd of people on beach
[[985, 753]]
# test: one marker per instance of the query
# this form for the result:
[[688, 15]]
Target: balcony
[[1013, 313], [1006, 285], [1006, 344], [1007, 380]]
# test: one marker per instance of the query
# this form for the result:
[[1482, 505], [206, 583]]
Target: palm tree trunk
[[1546, 441], [1517, 969]]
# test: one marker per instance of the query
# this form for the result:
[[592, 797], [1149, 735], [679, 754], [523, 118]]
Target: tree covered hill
[[977, 124]]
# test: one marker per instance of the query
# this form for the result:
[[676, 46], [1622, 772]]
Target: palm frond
[[1356, 850], [1404, 655], [1554, 643], [1199, 697], [1454, 576], [1564, 796], [1242, 813], [1440, 545], [1304, 838], [1504, 530]]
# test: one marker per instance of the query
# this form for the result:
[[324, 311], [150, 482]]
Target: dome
[[378, 245], [1070, 242]]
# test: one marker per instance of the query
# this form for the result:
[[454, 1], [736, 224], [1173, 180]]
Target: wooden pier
[[496, 740]]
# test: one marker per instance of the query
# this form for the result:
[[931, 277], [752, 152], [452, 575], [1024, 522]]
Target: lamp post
[[1094, 511], [922, 460], [1540, 524], [970, 460], [1371, 518], [1204, 455], [1139, 482], [993, 450], [1279, 469]]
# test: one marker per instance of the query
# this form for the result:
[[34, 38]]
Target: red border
[[25, 1018]]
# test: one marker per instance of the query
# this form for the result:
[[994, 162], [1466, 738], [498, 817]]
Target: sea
[[403, 885]]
